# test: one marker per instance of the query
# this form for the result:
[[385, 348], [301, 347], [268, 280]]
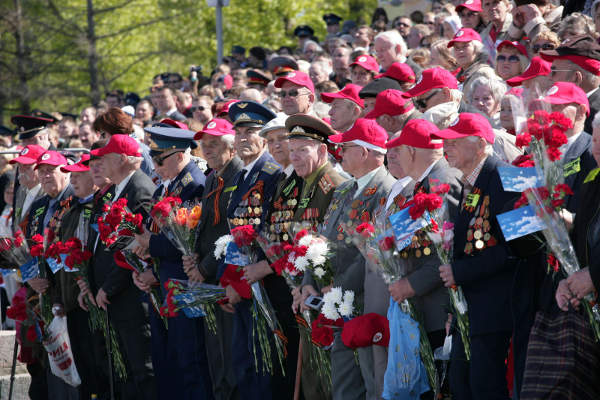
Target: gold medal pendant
[[427, 251], [478, 234]]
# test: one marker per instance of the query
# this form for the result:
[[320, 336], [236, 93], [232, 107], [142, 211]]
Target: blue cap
[[169, 135], [249, 113]]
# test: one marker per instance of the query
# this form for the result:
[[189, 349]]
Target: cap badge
[[45, 157], [211, 125], [298, 129], [377, 337], [24, 151], [460, 33], [291, 75], [455, 121], [362, 59], [469, 2], [242, 105], [244, 117], [552, 91]]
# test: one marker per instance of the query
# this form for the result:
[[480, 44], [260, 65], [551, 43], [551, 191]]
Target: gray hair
[[596, 121], [395, 38], [133, 161], [496, 86], [488, 150], [228, 140], [312, 42]]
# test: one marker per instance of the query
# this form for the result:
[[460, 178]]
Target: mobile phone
[[314, 302]]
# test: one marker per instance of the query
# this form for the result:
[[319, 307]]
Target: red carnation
[[553, 153], [440, 189], [561, 120], [564, 189], [244, 235], [366, 229], [523, 161], [535, 129], [553, 262], [523, 140], [37, 238], [300, 235], [37, 250], [322, 333], [387, 243], [541, 116], [521, 202]]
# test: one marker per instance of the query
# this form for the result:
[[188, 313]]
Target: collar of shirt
[[87, 199], [565, 147], [397, 189], [249, 167], [119, 187], [364, 180], [427, 172], [171, 111], [472, 177], [288, 170]]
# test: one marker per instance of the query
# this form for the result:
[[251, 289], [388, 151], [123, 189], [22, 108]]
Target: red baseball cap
[[473, 5], [390, 102], [515, 45], [216, 127], [417, 133], [366, 133], [366, 330], [349, 92], [400, 72], [80, 166], [28, 155], [464, 35], [54, 158], [224, 110], [589, 64], [174, 124], [433, 78], [537, 67], [297, 78], [367, 62], [119, 144], [468, 124], [566, 93]]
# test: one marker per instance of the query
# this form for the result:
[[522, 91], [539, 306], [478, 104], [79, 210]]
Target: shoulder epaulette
[[270, 168], [326, 184], [187, 179]]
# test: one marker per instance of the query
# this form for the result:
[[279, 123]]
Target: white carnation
[[317, 252], [305, 241], [336, 294], [346, 309], [319, 272], [221, 246], [348, 296], [301, 263], [329, 311]]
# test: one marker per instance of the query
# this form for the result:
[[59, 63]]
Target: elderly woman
[[544, 41], [485, 94], [511, 59], [470, 15], [470, 55]]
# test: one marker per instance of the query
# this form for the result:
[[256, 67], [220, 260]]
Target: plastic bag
[[405, 376], [60, 356]]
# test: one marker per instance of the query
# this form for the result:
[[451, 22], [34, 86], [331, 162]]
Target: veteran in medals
[[178, 353], [481, 264], [353, 202]]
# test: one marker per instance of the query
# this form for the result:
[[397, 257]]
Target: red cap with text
[[468, 124], [566, 93], [216, 127], [537, 67], [28, 155], [400, 72], [515, 45], [464, 35], [473, 5], [80, 166], [119, 144], [51, 157], [366, 133], [367, 62], [349, 92], [433, 78], [390, 102], [297, 78], [366, 330], [417, 133]]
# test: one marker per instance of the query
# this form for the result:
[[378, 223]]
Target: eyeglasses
[[197, 108], [546, 46], [160, 160], [401, 24], [422, 103], [291, 93], [511, 59]]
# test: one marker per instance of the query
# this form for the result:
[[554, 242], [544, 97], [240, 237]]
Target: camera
[[314, 302]]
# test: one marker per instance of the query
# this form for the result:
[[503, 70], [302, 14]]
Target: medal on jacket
[[478, 232]]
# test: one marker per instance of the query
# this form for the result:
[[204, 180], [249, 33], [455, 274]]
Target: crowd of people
[[329, 135]]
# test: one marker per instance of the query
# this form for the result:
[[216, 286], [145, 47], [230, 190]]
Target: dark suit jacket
[[594, 101], [578, 162], [586, 230], [486, 275], [116, 281]]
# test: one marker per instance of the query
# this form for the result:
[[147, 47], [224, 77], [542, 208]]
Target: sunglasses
[[160, 160], [421, 104], [197, 108], [546, 46], [291, 93], [512, 59], [402, 24]]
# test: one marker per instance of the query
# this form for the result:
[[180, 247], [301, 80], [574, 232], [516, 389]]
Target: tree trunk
[[92, 54], [22, 62]]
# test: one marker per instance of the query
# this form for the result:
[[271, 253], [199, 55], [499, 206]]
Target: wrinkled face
[[562, 71], [429, 99], [360, 76], [353, 157], [309, 51], [201, 111], [277, 142], [82, 183], [98, 175], [341, 58], [88, 115], [52, 179], [304, 155], [170, 164], [216, 151], [41, 139], [495, 10], [143, 112], [508, 64], [341, 114], [506, 118], [87, 135], [397, 158], [469, 19], [112, 164], [464, 52], [317, 74], [248, 144], [385, 52], [295, 99], [483, 100], [459, 152], [596, 145], [28, 175]]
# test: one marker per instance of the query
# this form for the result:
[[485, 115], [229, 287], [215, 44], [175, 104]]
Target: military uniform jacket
[[189, 186], [344, 214], [105, 274], [213, 222], [482, 264], [577, 163], [283, 208]]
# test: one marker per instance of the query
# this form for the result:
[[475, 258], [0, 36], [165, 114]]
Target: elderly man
[[33, 129], [297, 92], [423, 160], [341, 66], [390, 47], [363, 153], [179, 354], [319, 71], [481, 263], [29, 188], [115, 292], [392, 111], [363, 70], [500, 19], [217, 139], [165, 103], [346, 107], [277, 142], [577, 60]]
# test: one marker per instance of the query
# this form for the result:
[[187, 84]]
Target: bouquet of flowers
[[14, 251], [117, 226], [338, 304], [265, 321], [178, 222]]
